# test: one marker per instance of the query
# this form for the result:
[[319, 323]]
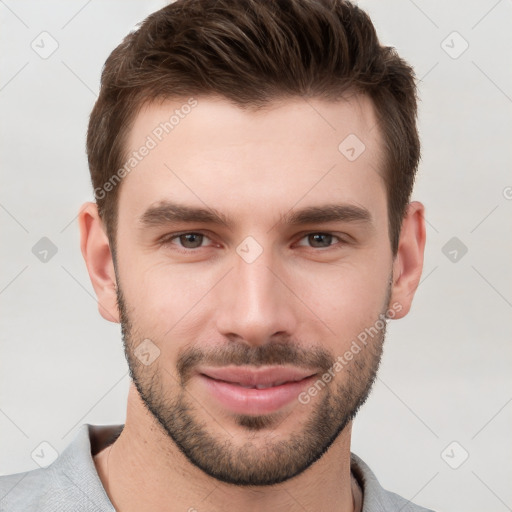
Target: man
[[252, 164]]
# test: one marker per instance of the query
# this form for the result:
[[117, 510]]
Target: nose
[[255, 302]]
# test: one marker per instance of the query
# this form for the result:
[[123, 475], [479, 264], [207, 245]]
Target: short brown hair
[[252, 52]]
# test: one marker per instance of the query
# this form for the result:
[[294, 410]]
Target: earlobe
[[408, 264], [95, 248]]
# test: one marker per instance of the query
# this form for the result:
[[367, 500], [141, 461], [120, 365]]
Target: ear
[[408, 263], [98, 259]]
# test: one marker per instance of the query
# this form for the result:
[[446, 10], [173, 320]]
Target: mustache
[[238, 354]]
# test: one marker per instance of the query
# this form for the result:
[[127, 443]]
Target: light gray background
[[446, 370]]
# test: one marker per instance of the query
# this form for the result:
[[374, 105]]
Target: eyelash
[[168, 239]]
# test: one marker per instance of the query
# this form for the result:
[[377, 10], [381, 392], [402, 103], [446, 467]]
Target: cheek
[[165, 298], [347, 298], [358, 282]]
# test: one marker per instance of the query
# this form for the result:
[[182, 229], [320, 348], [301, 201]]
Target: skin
[[298, 298]]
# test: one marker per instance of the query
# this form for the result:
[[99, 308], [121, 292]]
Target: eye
[[190, 240], [193, 240], [321, 240]]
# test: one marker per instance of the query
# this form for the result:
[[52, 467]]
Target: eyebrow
[[167, 212], [328, 213]]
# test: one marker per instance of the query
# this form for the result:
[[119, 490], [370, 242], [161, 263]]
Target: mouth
[[246, 390], [257, 386], [259, 378]]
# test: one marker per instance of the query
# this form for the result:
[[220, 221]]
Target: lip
[[226, 386], [265, 376]]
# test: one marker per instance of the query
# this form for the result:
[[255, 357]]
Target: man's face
[[270, 291]]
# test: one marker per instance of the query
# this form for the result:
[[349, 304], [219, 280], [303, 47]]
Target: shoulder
[[375, 497], [25, 491], [51, 489], [69, 484]]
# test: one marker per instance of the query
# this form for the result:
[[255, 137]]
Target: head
[[253, 164]]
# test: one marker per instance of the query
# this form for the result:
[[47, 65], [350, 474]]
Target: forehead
[[207, 151]]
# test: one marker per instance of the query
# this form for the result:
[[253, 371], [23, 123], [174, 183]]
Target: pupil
[[318, 238], [192, 239]]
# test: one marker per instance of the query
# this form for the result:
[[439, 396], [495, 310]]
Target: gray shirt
[[71, 483]]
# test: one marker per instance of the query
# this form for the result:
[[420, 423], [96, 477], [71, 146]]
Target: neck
[[144, 470]]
